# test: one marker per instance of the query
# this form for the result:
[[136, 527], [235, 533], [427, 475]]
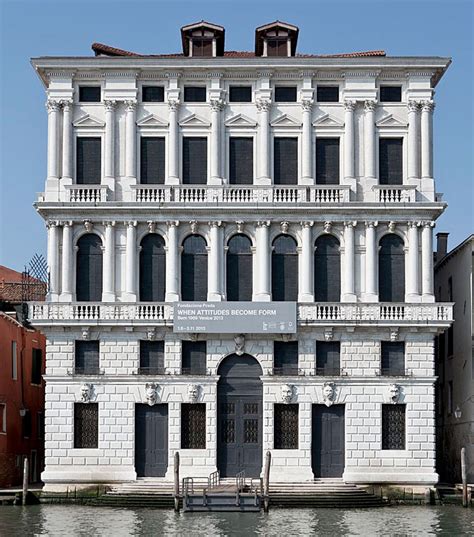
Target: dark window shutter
[[277, 47], [327, 161], [202, 47], [327, 269], [88, 168], [391, 269], [194, 269], [86, 359], [328, 358], [393, 358], [327, 94], [391, 161], [285, 161], [285, 358], [153, 94], [239, 268], [285, 426], [152, 268], [284, 269], [86, 425], [193, 426], [390, 94], [194, 161], [89, 94], [285, 94], [89, 269], [241, 161], [152, 161], [36, 366], [194, 94], [152, 358], [240, 94], [193, 356], [393, 426]]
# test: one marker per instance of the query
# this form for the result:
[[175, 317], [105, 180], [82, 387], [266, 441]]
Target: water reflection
[[72, 521]]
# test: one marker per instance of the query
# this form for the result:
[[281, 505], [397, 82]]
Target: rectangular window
[[89, 94], [194, 161], [86, 425], [36, 366], [241, 161], [285, 94], [285, 161], [194, 94], [393, 358], [328, 358], [40, 425], [152, 358], [277, 47], [393, 426], [14, 361], [86, 358], [3, 418], [88, 161], [390, 94], [202, 47], [193, 355], [153, 94], [327, 161], [327, 94], [152, 160], [240, 94], [26, 424], [285, 358], [391, 161], [285, 426], [193, 426]]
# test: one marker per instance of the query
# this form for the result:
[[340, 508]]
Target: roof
[[9, 275], [455, 250]]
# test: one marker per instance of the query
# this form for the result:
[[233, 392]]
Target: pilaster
[[263, 292], [67, 290], [108, 293], [306, 293], [172, 263]]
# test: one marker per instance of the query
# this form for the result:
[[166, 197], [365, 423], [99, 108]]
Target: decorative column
[[109, 168], [412, 287], [131, 142], [369, 146], [413, 152], [172, 263], [427, 181], [371, 261], [306, 293], [66, 178], [264, 265], [215, 167], [67, 290], [214, 292], [307, 171], [173, 143], [53, 259], [427, 262], [131, 262], [349, 262], [349, 144], [108, 293], [53, 142], [263, 108]]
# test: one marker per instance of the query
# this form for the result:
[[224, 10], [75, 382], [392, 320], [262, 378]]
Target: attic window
[[277, 46], [202, 47]]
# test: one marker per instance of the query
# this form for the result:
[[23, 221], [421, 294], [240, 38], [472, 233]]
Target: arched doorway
[[239, 416]]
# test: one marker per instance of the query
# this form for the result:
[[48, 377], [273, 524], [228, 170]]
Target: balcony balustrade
[[86, 193], [395, 194]]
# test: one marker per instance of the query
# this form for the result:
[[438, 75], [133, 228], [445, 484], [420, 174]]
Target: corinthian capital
[[66, 104], [217, 104], [427, 106], [369, 106], [349, 105], [130, 106], [413, 106], [110, 105], [173, 104], [263, 105], [53, 105], [307, 105]]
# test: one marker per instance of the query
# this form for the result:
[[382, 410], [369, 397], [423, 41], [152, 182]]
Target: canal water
[[71, 521]]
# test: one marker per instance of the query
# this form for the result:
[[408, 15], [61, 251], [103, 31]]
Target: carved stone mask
[[86, 392], [239, 344], [193, 393], [151, 393], [287, 391], [395, 393], [329, 392]]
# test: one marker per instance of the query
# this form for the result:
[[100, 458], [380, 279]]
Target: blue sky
[[36, 28]]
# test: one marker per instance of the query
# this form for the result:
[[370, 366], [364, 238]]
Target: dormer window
[[202, 46], [203, 40], [276, 39]]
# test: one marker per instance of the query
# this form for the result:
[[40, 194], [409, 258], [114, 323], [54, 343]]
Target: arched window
[[239, 268], [284, 269], [194, 269], [391, 269], [327, 269], [89, 269], [152, 268]]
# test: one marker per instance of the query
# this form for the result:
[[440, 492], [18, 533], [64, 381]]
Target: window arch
[[152, 268], [89, 268], [239, 268], [285, 269], [327, 269], [391, 269], [194, 269]]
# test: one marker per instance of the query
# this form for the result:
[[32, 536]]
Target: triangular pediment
[[240, 120], [194, 121], [88, 121], [152, 121], [285, 121], [327, 121], [390, 121]]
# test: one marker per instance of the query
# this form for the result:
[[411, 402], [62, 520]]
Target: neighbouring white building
[[264, 177]]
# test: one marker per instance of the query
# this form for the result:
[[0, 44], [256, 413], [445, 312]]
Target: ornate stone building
[[266, 176]]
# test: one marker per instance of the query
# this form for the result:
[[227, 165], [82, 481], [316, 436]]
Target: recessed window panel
[[89, 94], [153, 94], [327, 94]]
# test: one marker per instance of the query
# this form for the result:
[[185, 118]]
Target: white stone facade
[[358, 211]]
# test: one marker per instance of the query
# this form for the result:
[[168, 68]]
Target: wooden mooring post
[[266, 482], [25, 481], [465, 501], [176, 481]]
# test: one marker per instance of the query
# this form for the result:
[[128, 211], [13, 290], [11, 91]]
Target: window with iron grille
[[193, 358], [36, 366], [86, 358], [86, 425], [153, 94], [89, 94], [286, 426], [391, 161], [390, 94], [393, 358], [328, 358], [327, 94], [193, 426], [285, 358], [152, 358], [26, 425], [194, 94], [285, 94], [240, 94], [393, 426]]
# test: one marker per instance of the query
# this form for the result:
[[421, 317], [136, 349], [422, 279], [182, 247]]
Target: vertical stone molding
[[371, 262], [67, 290], [426, 134], [369, 145], [172, 263], [53, 108], [217, 106], [108, 293], [349, 143], [215, 261], [131, 262], [427, 274], [130, 141], [263, 289], [413, 149], [307, 168], [173, 143], [66, 176], [348, 294], [413, 276], [306, 293], [109, 164], [53, 259], [263, 108]]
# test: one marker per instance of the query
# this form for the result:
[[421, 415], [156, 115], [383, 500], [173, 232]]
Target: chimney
[[441, 245]]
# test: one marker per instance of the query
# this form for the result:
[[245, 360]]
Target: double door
[[151, 440], [327, 449]]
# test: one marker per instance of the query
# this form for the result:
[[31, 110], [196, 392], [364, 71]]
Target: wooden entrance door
[[327, 452], [151, 440]]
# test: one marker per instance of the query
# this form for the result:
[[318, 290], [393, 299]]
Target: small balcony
[[87, 194], [388, 194]]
